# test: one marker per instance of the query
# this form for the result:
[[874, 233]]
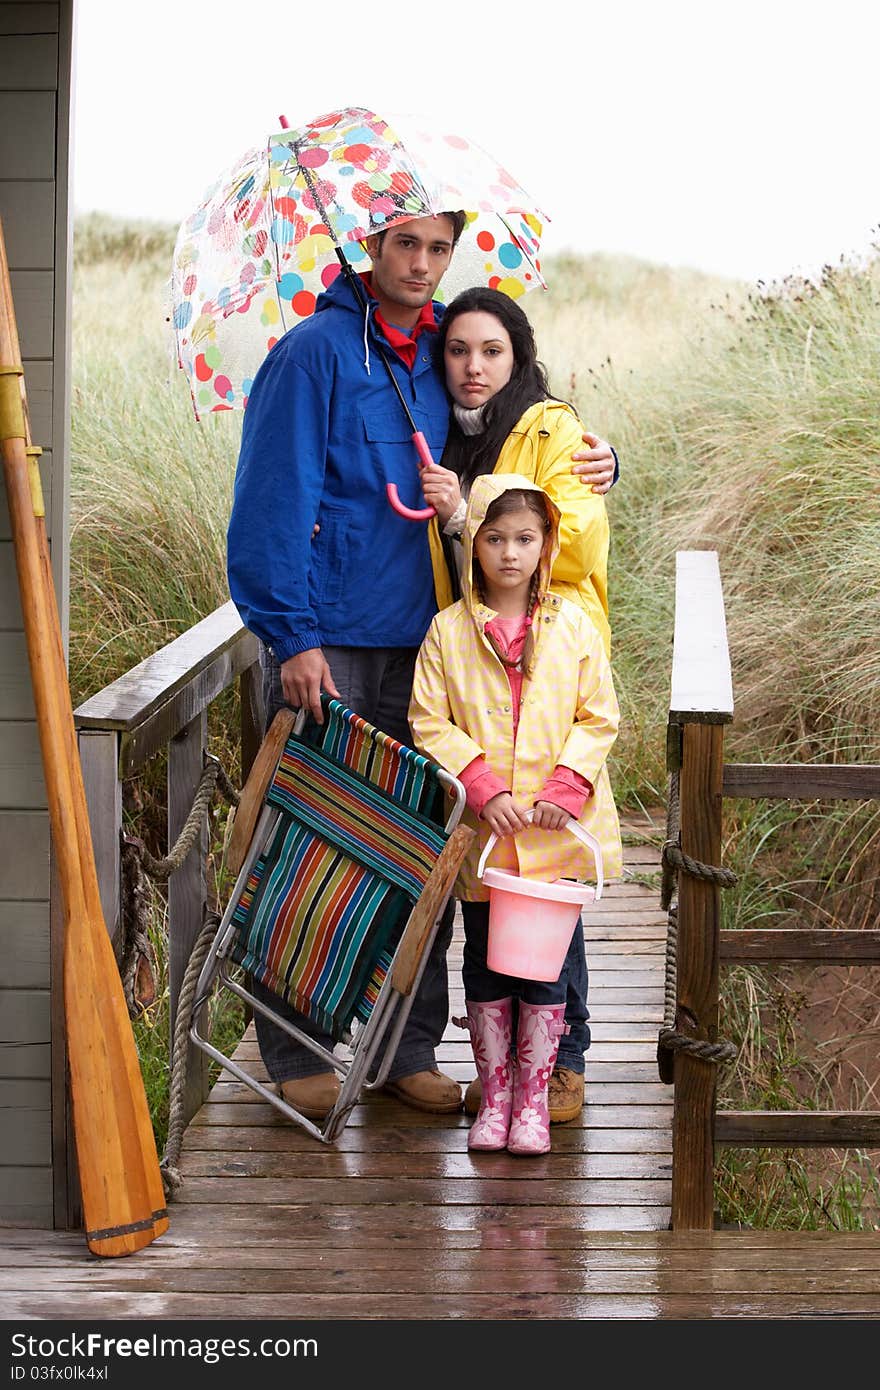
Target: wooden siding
[[35, 58]]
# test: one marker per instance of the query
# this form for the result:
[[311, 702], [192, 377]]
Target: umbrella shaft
[[355, 282]]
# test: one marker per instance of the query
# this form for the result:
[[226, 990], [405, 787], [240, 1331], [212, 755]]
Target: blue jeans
[[482, 984], [375, 682]]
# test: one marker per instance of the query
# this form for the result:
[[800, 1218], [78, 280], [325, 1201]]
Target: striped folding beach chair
[[348, 845]]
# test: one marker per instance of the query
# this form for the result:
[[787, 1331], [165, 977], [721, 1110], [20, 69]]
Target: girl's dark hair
[[469, 456], [517, 499]]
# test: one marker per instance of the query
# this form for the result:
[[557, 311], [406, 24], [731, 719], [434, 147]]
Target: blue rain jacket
[[322, 436]]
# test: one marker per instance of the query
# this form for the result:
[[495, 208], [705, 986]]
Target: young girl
[[504, 420], [513, 694]]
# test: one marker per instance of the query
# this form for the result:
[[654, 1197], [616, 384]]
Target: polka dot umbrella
[[251, 260]]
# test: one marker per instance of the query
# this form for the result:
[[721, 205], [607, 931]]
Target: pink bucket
[[531, 922]]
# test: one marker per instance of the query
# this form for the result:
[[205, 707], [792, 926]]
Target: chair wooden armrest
[[424, 914], [253, 793]]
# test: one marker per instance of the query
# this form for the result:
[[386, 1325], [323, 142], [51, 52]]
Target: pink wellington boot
[[490, 1028], [537, 1043]]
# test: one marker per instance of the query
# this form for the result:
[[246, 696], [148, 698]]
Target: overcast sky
[[737, 137]]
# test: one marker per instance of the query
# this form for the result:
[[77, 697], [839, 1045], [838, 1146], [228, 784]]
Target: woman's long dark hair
[[471, 455]]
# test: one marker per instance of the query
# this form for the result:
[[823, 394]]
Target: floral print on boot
[[490, 1029], [537, 1043]]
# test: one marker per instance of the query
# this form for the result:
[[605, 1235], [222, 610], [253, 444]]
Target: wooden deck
[[399, 1221]]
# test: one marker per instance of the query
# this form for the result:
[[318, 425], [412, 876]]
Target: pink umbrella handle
[[410, 513]]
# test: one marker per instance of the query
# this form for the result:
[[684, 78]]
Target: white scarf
[[470, 417]]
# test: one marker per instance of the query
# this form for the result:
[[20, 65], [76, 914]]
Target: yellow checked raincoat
[[461, 708]]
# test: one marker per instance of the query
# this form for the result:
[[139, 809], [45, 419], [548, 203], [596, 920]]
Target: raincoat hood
[[484, 492]]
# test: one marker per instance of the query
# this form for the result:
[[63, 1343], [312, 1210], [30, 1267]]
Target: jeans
[[481, 985], [376, 683]]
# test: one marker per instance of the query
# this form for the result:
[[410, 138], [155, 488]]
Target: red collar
[[404, 344]]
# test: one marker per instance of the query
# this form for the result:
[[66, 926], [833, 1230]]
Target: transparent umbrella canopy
[[270, 234]]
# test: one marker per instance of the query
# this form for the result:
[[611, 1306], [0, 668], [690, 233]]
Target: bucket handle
[[574, 829]]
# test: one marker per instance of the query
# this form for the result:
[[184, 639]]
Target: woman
[[506, 421]]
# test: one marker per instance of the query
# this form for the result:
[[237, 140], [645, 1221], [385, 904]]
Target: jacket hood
[[486, 488]]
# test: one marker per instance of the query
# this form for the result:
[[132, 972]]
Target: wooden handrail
[[154, 701], [161, 704], [702, 689], [802, 781]]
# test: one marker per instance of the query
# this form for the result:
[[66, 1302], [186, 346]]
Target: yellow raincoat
[[461, 709], [540, 447]]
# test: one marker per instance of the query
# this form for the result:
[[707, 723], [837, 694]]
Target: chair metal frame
[[395, 997]]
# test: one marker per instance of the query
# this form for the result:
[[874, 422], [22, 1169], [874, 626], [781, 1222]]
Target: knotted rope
[[675, 861], [137, 865], [171, 1175], [138, 958]]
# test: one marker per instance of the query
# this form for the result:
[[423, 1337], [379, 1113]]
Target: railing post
[[187, 889], [699, 924], [99, 757], [250, 685], [701, 704]]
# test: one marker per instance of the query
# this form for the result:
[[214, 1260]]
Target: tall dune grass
[[150, 489]]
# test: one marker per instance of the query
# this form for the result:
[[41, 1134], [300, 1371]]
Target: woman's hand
[[595, 464], [441, 490], [549, 817], [503, 816]]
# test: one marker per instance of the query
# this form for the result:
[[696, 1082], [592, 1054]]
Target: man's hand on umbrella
[[595, 464], [441, 490], [302, 678]]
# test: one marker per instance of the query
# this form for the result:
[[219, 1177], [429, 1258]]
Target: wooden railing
[[162, 704], [701, 704]]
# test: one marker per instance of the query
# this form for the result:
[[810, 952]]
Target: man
[[338, 586]]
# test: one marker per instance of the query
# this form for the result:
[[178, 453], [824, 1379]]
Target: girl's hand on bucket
[[549, 817], [503, 816]]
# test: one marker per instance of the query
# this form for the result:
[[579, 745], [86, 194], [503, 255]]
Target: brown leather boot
[[426, 1090], [313, 1096], [565, 1095]]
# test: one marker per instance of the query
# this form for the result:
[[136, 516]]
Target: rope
[[168, 1167], [212, 777], [675, 861], [137, 966], [136, 863]]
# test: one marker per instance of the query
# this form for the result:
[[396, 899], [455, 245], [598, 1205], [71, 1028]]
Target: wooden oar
[[122, 1192]]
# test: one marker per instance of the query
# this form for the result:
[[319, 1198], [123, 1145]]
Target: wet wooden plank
[[92, 1306], [606, 1113], [532, 1278], [402, 1139], [326, 1162], [592, 1253]]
